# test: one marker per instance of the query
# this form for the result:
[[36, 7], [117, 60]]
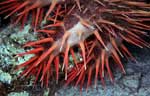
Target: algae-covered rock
[[12, 40], [5, 77], [24, 93]]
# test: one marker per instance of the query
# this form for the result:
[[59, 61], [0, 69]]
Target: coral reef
[[94, 30]]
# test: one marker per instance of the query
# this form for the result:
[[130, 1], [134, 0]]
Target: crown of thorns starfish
[[91, 32]]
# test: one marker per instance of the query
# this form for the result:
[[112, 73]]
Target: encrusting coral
[[96, 29]]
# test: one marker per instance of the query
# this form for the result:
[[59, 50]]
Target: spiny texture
[[94, 30], [22, 9]]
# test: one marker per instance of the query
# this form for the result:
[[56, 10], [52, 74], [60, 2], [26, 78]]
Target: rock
[[132, 81], [144, 91], [146, 80]]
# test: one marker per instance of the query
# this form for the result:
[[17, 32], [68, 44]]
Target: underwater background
[[134, 83]]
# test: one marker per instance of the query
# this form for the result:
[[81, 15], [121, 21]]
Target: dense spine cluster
[[94, 30]]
